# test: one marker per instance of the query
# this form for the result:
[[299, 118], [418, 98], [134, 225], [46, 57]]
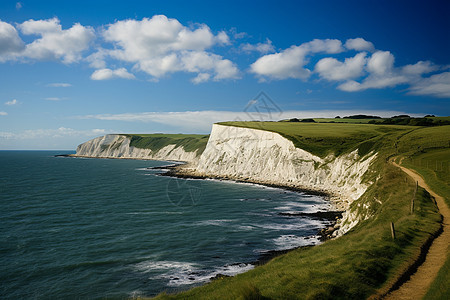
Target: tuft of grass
[[248, 291]]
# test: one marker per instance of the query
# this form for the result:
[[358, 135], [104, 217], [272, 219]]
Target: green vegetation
[[440, 288], [427, 151], [351, 267], [342, 120], [323, 139], [155, 142], [395, 120], [366, 260]]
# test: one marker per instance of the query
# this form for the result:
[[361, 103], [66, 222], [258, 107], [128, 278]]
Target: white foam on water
[[259, 214], [198, 276], [184, 273], [285, 242], [213, 222], [304, 223], [148, 266], [284, 208], [234, 269], [254, 199], [245, 227]]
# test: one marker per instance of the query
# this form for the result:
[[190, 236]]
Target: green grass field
[[342, 120], [322, 139], [157, 141], [366, 260], [365, 121]]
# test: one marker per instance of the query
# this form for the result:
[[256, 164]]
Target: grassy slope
[[365, 121], [366, 259], [431, 159], [155, 142], [322, 139]]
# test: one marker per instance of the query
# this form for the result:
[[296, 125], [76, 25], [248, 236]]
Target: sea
[[85, 228]]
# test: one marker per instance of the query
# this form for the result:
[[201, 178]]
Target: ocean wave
[[185, 273], [201, 276], [213, 222], [149, 266], [284, 242], [254, 199], [245, 227], [293, 207], [303, 224]]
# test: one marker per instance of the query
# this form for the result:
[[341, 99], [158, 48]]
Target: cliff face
[[267, 157], [118, 146], [260, 156]]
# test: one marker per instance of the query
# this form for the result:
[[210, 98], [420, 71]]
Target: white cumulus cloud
[[161, 45], [3, 113], [419, 68], [290, 63], [263, 48], [359, 44], [223, 38], [105, 74], [201, 77], [380, 63], [56, 43], [11, 45], [437, 85], [12, 102], [383, 74], [332, 69]]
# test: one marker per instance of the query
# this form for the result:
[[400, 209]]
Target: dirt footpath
[[417, 286]]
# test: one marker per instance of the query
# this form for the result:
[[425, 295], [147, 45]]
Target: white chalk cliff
[[267, 157], [259, 156], [118, 146]]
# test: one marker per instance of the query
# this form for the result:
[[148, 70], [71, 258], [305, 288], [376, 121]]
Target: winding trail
[[418, 284]]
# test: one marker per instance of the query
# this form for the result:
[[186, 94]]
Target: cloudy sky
[[74, 70]]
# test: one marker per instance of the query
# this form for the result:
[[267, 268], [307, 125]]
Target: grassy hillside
[[429, 155], [366, 260], [155, 142], [322, 139]]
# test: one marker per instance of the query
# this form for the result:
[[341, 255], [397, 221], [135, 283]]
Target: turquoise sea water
[[98, 228]]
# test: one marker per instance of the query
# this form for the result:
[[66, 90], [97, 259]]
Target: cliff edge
[[254, 155]]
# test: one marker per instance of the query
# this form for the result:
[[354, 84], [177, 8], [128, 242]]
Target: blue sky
[[73, 70]]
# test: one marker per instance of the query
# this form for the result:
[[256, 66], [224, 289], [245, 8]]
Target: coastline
[[332, 216], [180, 169]]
